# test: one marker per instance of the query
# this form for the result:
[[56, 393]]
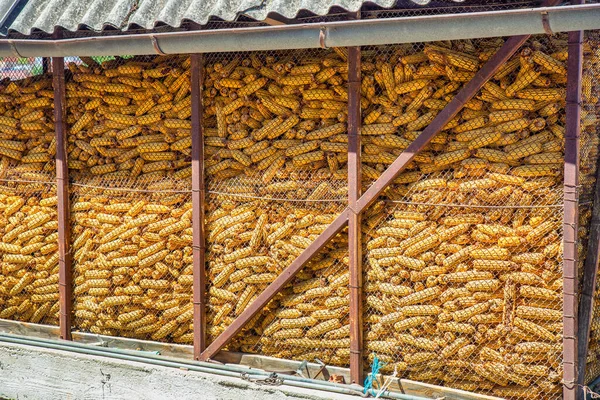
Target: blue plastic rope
[[369, 379]]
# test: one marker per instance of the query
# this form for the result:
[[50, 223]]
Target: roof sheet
[[97, 15]]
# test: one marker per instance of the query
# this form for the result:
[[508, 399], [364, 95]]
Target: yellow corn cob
[[22, 284], [420, 310], [537, 313], [549, 63], [404, 323], [550, 94], [326, 132], [298, 322], [419, 357], [532, 171]]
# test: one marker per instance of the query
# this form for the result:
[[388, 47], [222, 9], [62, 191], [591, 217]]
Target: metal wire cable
[[470, 205], [27, 181], [129, 190], [276, 198]]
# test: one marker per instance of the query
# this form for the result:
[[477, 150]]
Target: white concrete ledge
[[33, 373]]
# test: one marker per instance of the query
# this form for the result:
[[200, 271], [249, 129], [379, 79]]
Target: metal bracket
[[322, 370], [156, 46], [322, 37], [546, 23], [14, 49], [303, 367]]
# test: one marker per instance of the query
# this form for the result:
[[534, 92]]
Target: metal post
[[388, 176], [198, 196], [65, 280], [354, 221], [571, 216]]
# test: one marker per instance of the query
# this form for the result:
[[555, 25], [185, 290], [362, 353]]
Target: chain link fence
[[129, 154], [463, 275], [276, 153], [462, 254], [28, 220]]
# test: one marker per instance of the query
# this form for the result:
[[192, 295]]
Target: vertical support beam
[[65, 280], [571, 215], [354, 218], [198, 196]]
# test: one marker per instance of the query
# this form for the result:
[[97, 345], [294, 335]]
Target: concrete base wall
[[34, 373]]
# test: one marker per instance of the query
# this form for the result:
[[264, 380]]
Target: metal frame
[[198, 196], [65, 274], [574, 324], [590, 268], [386, 178], [354, 222], [45, 65]]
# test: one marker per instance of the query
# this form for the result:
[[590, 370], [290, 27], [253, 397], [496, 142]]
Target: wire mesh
[[312, 320], [249, 245], [276, 152], [590, 135], [18, 68], [456, 297], [129, 154], [463, 253], [28, 223]]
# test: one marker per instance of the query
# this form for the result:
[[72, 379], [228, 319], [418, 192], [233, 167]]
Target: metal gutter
[[223, 370], [332, 34]]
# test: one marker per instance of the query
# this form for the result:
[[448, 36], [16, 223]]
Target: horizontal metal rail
[[423, 28]]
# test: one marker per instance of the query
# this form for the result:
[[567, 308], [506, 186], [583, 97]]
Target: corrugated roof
[[97, 15]]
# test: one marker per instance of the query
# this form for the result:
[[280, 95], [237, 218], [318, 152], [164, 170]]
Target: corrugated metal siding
[[72, 15]]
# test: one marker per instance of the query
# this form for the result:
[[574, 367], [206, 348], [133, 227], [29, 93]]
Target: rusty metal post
[[65, 280], [198, 196], [354, 220], [571, 215]]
